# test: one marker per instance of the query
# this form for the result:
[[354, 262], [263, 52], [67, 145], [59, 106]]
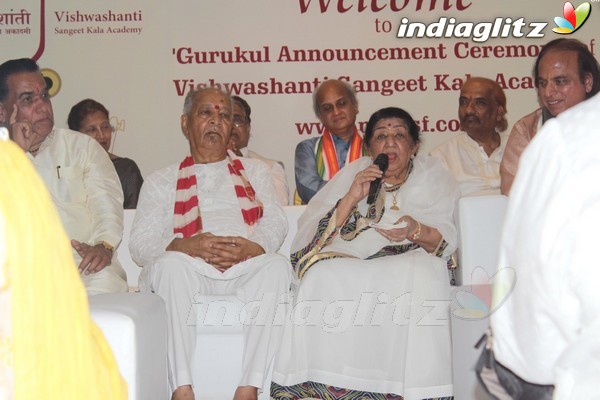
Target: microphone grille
[[382, 161]]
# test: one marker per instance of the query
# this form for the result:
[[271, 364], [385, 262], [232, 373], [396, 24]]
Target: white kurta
[[376, 325], [86, 191], [476, 172], [277, 174], [179, 278], [548, 329]]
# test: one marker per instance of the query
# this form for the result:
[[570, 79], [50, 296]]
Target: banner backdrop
[[140, 58]]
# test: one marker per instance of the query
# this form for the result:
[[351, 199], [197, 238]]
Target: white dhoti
[[380, 326], [179, 279], [111, 279]]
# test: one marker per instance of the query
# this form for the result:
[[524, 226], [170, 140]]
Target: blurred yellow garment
[[54, 350]]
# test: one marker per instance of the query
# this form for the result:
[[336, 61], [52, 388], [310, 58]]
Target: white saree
[[379, 325]]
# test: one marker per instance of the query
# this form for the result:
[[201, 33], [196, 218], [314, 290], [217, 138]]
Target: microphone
[[382, 161]]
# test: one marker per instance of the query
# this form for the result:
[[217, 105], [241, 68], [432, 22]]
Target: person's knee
[[317, 272], [108, 280], [277, 267], [169, 268]]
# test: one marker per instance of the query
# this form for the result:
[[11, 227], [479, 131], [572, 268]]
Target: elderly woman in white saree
[[370, 317]]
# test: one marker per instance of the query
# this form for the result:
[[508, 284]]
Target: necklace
[[394, 203], [394, 189]]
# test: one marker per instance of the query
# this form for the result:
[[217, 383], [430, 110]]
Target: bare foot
[[246, 393], [184, 392]]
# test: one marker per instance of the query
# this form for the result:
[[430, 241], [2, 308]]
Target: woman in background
[[92, 118]]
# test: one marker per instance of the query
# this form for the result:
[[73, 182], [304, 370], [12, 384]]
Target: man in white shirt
[[212, 225], [474, 156], [238, 142], [76, 170], [565, 73], [547, 332]]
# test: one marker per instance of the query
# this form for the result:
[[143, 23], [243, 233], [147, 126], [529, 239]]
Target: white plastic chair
[[135, 326], [479, 220]]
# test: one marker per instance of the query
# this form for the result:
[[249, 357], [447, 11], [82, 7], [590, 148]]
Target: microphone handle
[[373, 190]]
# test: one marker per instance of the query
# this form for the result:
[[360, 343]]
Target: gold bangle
[[106, 245], [437, 248], [417, 233]]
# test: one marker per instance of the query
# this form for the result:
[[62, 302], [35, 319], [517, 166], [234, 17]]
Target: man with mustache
[[76, 170], [474, 156], [565, 74]]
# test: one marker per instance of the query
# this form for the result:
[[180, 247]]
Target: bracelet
[[439, 249], [417, 233], [106, 245]]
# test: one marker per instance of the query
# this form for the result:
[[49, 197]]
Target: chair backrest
[[133, 271], [480, 220]]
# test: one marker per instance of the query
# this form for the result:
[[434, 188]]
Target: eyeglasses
[[238, 121]]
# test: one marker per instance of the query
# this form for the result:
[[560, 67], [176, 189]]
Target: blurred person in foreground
[[49, 347], [546, 334]]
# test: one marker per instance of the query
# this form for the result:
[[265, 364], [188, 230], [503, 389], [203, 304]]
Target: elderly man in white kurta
[[76, 170], [211, 225]]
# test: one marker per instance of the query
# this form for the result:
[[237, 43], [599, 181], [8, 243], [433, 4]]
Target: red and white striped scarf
[[187, 217]]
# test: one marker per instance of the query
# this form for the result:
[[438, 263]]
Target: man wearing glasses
[[76, 170], [238, 143]]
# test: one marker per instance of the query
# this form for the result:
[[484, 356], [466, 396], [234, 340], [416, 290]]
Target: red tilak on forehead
[[217, 106]]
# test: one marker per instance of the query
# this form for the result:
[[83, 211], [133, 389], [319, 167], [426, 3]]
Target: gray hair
[[189, 98], [349, 91]]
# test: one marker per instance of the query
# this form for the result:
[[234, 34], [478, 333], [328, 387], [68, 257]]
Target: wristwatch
[[106, 245]]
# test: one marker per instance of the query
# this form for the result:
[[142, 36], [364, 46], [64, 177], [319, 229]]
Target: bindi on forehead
[[390, 125], [216, 106]]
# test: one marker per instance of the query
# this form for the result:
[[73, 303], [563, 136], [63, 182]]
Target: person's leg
[[173, 277], [246, 393], [184, 392], [262, 289], [109, 280]]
